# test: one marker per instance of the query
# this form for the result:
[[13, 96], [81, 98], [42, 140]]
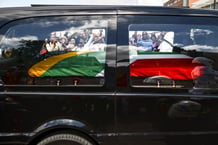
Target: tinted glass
[[54, 51], [173, 55]]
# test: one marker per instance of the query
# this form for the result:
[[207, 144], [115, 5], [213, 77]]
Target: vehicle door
[[54, 68], [167, 80]]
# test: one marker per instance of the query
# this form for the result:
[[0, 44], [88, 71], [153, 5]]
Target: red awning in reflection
[[174, 68]]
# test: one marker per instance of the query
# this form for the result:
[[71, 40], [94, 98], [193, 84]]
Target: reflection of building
[[209, 4], [176, 3]]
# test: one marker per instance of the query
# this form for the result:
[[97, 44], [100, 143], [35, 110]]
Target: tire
[[64, 139]]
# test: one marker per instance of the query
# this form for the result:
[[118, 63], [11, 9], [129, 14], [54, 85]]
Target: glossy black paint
[[66, 110], [115, 113], [169, 116]]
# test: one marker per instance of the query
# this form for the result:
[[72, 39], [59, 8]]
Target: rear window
[[173, 55]]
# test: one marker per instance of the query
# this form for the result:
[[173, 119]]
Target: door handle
[[185, 109], [1, 85]]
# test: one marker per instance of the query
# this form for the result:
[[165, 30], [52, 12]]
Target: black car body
[[102, 75]]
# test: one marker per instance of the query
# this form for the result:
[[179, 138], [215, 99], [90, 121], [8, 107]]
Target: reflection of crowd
[[146, 41], [77, 41]]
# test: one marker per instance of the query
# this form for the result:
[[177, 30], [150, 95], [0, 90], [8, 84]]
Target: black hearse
[[103, 75]]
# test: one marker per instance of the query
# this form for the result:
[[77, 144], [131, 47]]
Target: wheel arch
[[62, 125]]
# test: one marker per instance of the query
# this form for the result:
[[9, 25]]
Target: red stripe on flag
[[174, 68]]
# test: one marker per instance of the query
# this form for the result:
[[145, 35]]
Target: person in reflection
[[53, 45], [134, 39], [44, 49], [63, 43], [72, 45], [155, 43], [80, 46], [167, 43], [204, 75], [145, 43]]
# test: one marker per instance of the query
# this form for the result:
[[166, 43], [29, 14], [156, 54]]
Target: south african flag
[[83, 63]]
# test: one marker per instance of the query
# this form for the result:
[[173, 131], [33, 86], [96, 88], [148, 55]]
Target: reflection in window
[[173, 56], [66, 52]]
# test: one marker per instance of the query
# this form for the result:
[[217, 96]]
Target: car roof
[[9, 14]]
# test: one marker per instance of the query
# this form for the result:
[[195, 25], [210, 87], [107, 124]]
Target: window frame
[[110, 46], [124, 21]]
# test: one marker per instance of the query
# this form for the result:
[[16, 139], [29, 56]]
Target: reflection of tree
[[28, 51], [14, 67]]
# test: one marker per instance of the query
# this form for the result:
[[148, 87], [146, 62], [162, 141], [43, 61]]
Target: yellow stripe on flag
[[41, 67]]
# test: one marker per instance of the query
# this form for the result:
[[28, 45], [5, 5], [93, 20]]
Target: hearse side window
[[54, 51], [173, 55]]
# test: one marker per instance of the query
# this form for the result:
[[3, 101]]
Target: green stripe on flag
[[76, 66], [87, 63]]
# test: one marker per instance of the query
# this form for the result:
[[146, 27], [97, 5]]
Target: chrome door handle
[[1, 85]]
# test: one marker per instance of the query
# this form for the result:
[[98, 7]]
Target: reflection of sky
[[11, 3], [42, 30], [201, 38], [15, 42], [202, 48]]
